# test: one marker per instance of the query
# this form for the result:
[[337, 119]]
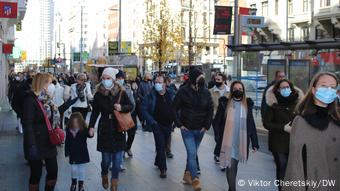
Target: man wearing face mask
[[159, 114], [194, 105], [144, 89], [218, 90]]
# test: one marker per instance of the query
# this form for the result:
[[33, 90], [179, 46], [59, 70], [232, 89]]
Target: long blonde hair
[[307, 106], [39, 81]]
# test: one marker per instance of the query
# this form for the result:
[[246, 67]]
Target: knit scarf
[[225, 155]]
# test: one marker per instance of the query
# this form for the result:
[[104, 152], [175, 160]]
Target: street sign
[[113, 48], [8, 10], [252, 21], [76, 56], [223, 16]]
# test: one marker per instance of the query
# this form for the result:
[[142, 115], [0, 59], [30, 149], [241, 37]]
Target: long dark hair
[[77, 116], [277, 86], [244, 98], [307, 106]]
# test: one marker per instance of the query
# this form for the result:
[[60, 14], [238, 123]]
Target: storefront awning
[[304, 45]]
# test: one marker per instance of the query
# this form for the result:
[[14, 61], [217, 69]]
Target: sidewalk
[[141, 174]]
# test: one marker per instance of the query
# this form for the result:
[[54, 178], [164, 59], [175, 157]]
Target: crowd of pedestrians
[[303, 128]]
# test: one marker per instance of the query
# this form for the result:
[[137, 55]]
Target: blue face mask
[[326, 95], [121, 82], [285, 92], [158, 87], [108, 84]]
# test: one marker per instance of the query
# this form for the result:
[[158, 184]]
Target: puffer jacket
[[195, 108]]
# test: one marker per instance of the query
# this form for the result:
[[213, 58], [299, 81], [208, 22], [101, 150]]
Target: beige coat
[[215, 94], [323, 155]]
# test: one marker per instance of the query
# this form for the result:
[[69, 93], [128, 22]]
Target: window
[[276, 7], [291, 34], [325, 3], [304, 33], [290, 7], [265, 8], [305, 6]]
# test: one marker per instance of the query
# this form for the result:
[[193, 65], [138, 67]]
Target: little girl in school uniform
[[76, 149]]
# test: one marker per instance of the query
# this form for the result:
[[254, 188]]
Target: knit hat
[[110, 72], [193, 75], [120, 74]]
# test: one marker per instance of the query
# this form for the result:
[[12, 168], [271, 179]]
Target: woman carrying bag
[[38, 146], [111, 141]]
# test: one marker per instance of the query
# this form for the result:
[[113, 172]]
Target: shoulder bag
[[124, 120], [57, 136]]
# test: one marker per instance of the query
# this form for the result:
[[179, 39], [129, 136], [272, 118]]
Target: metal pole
[[81, 40], [237, 62], [120, 28], [190, 47]]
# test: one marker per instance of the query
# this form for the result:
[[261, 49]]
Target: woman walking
[[236, 116], [111, 143], [282, 99], [314, 141], [37, 145]]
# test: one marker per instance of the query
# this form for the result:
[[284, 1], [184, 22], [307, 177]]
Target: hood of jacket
[[272, 100]]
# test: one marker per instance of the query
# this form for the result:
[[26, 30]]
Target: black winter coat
[[35, 129], [76, 147], [221, 115], [109, 139], [276, 116], [20, 91], [195, 108]]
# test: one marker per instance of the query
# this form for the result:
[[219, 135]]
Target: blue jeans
[[161, 135], [192, 140], [116, 159]]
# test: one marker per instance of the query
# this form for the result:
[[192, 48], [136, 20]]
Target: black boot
[[81, 186], [50, 184], [73, 185]]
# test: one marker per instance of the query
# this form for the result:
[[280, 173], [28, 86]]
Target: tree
[[162, 33]]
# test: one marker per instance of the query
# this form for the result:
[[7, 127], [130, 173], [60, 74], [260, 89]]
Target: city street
[[141, 173]]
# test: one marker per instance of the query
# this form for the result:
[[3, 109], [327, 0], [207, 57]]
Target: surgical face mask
[[17, 78], [121, 82], [108, 84], [158, 87], [201, 83], [51, 90], [285, 92], [326, 95]]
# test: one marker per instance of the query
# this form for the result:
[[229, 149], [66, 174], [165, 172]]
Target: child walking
[[76, 149]]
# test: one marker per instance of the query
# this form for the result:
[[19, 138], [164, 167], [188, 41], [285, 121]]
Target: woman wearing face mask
[[37, 145], [195, 106], [314, 140], [111, 143], [282, 99], [235, 115]]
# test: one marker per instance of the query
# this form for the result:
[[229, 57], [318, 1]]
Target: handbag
[[57, 135], [125, 121]]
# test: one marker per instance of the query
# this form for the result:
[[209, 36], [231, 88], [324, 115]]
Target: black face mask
[[237, 94], [218, 84], [201, 83]]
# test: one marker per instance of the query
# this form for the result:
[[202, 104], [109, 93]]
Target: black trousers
[[131, 132], [281, 160], [36, 170], [231, 174], [218, 132], [161, 135], [83, 111]]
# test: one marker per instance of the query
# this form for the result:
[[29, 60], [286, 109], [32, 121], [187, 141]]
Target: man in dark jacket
[[144, 89], [159, 114], [194, 105]]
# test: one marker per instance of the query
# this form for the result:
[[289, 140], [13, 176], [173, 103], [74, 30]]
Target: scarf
[[286, 101], [226, 149]]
